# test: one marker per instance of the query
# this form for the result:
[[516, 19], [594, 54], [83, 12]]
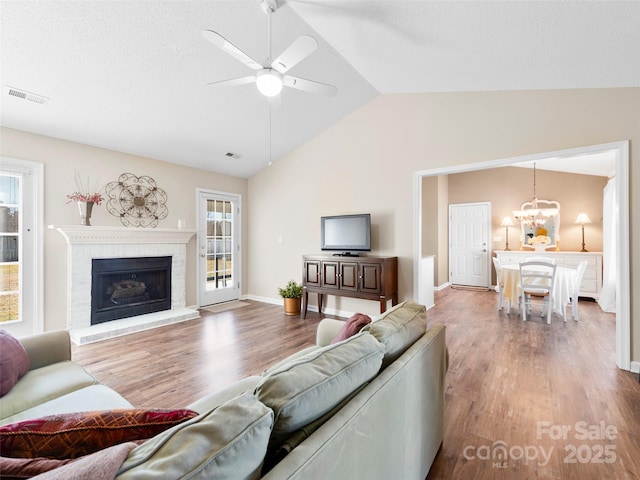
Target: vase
[[85, 212], [540, 247]]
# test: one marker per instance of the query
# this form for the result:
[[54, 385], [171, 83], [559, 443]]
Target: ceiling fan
[[270, 79]]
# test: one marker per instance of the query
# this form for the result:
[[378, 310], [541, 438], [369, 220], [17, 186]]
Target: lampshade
[[269, 82], [507, 222], [583, 219]]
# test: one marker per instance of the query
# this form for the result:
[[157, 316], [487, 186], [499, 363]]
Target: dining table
[[563, 286]]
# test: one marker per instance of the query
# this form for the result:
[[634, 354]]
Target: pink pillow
[[353, 325], [14, 362]]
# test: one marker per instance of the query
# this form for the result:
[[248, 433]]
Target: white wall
[[365, 163], [61, 158]]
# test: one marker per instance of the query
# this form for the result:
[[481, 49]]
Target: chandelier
[[530, 214]]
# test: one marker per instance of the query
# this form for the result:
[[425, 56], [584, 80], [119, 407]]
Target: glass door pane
[[10, 254], [219, 241]]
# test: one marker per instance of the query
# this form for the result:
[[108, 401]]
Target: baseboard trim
[[442, 287], [635, 367]]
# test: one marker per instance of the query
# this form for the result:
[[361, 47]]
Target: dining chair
[[536, 283], [499, 282], [582, 266]]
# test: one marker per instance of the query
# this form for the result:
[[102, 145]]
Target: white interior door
[[218, 247], [469, 256]]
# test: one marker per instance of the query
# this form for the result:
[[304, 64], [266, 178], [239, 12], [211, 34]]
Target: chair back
[[582, 266], [537, 277], [542, 259], [496, 265]]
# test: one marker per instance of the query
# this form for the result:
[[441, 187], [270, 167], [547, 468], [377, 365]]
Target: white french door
[[21, 217], [469, 255], [218, 247]]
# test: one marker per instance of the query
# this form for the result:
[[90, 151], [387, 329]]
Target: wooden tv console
[[366, 277]]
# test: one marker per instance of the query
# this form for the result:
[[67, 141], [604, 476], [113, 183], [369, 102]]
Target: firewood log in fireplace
[[126, 290]]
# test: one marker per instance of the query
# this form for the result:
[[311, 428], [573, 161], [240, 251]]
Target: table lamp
[[583, 219], [506, 223]]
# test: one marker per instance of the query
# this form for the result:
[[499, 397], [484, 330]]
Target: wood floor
[[508, 381]]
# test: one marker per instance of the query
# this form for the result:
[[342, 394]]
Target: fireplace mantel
[[85, 243], [82, 234]]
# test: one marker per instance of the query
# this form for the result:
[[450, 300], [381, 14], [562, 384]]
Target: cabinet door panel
[[312, 273], [370, 281], [348, 276], [330, 274]]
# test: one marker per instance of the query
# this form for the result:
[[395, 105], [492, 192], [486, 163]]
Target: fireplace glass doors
[[126, 287]]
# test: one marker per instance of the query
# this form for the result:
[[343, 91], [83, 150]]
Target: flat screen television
[[347, 234]]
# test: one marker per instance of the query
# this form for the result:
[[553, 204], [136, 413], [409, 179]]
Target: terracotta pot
[[291, 306]]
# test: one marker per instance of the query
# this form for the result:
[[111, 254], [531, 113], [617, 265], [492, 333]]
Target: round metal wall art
[[137, 201]]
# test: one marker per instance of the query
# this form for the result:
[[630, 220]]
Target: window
[[21, 220]]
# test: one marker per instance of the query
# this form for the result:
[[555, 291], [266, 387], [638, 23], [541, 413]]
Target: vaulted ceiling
[[132, 75]]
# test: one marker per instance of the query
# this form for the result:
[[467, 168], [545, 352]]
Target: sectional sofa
[[370, 406]]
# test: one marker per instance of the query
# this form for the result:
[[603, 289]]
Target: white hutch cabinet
[[591, 281]]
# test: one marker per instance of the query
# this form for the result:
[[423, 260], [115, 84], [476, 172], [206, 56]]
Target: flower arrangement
[[83, 193], [539, 240]]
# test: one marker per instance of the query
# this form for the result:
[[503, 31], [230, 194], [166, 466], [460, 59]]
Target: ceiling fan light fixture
[[269, 82]]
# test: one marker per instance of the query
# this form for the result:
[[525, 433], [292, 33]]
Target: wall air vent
[[23, 94], [233, 155]]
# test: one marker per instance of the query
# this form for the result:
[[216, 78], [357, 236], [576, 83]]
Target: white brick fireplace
[[86, 243]]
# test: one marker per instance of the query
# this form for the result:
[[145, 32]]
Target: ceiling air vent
[[23, 94], [233, 155]]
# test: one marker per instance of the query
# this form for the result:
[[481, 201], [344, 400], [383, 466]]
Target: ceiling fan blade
[[300, 49], [309, 86], [235, 81], [224, 44]]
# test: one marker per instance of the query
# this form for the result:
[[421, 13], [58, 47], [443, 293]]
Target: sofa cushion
[[353, 325], [398, 329], [291, 358], [43, 384], [227, 442], [308, 387], [76, 434], [14, 362], [213, 400], [93, 397]]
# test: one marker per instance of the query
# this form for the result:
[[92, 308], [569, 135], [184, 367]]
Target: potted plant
[[291, 293]]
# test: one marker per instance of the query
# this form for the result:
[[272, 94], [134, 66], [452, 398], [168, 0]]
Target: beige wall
[[366, 162], [62, 158], [508, 187]]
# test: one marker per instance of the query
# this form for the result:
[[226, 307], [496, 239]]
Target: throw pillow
[[101, 465], [227, 442], [398, 329], [15, 468], [76, 434], [14, 362], [309, 387], [353, 325]]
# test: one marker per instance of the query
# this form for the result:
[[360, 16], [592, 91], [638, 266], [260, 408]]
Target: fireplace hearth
[[126, 287]]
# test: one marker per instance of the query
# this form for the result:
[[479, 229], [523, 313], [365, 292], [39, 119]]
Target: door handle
[[203, 255]]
